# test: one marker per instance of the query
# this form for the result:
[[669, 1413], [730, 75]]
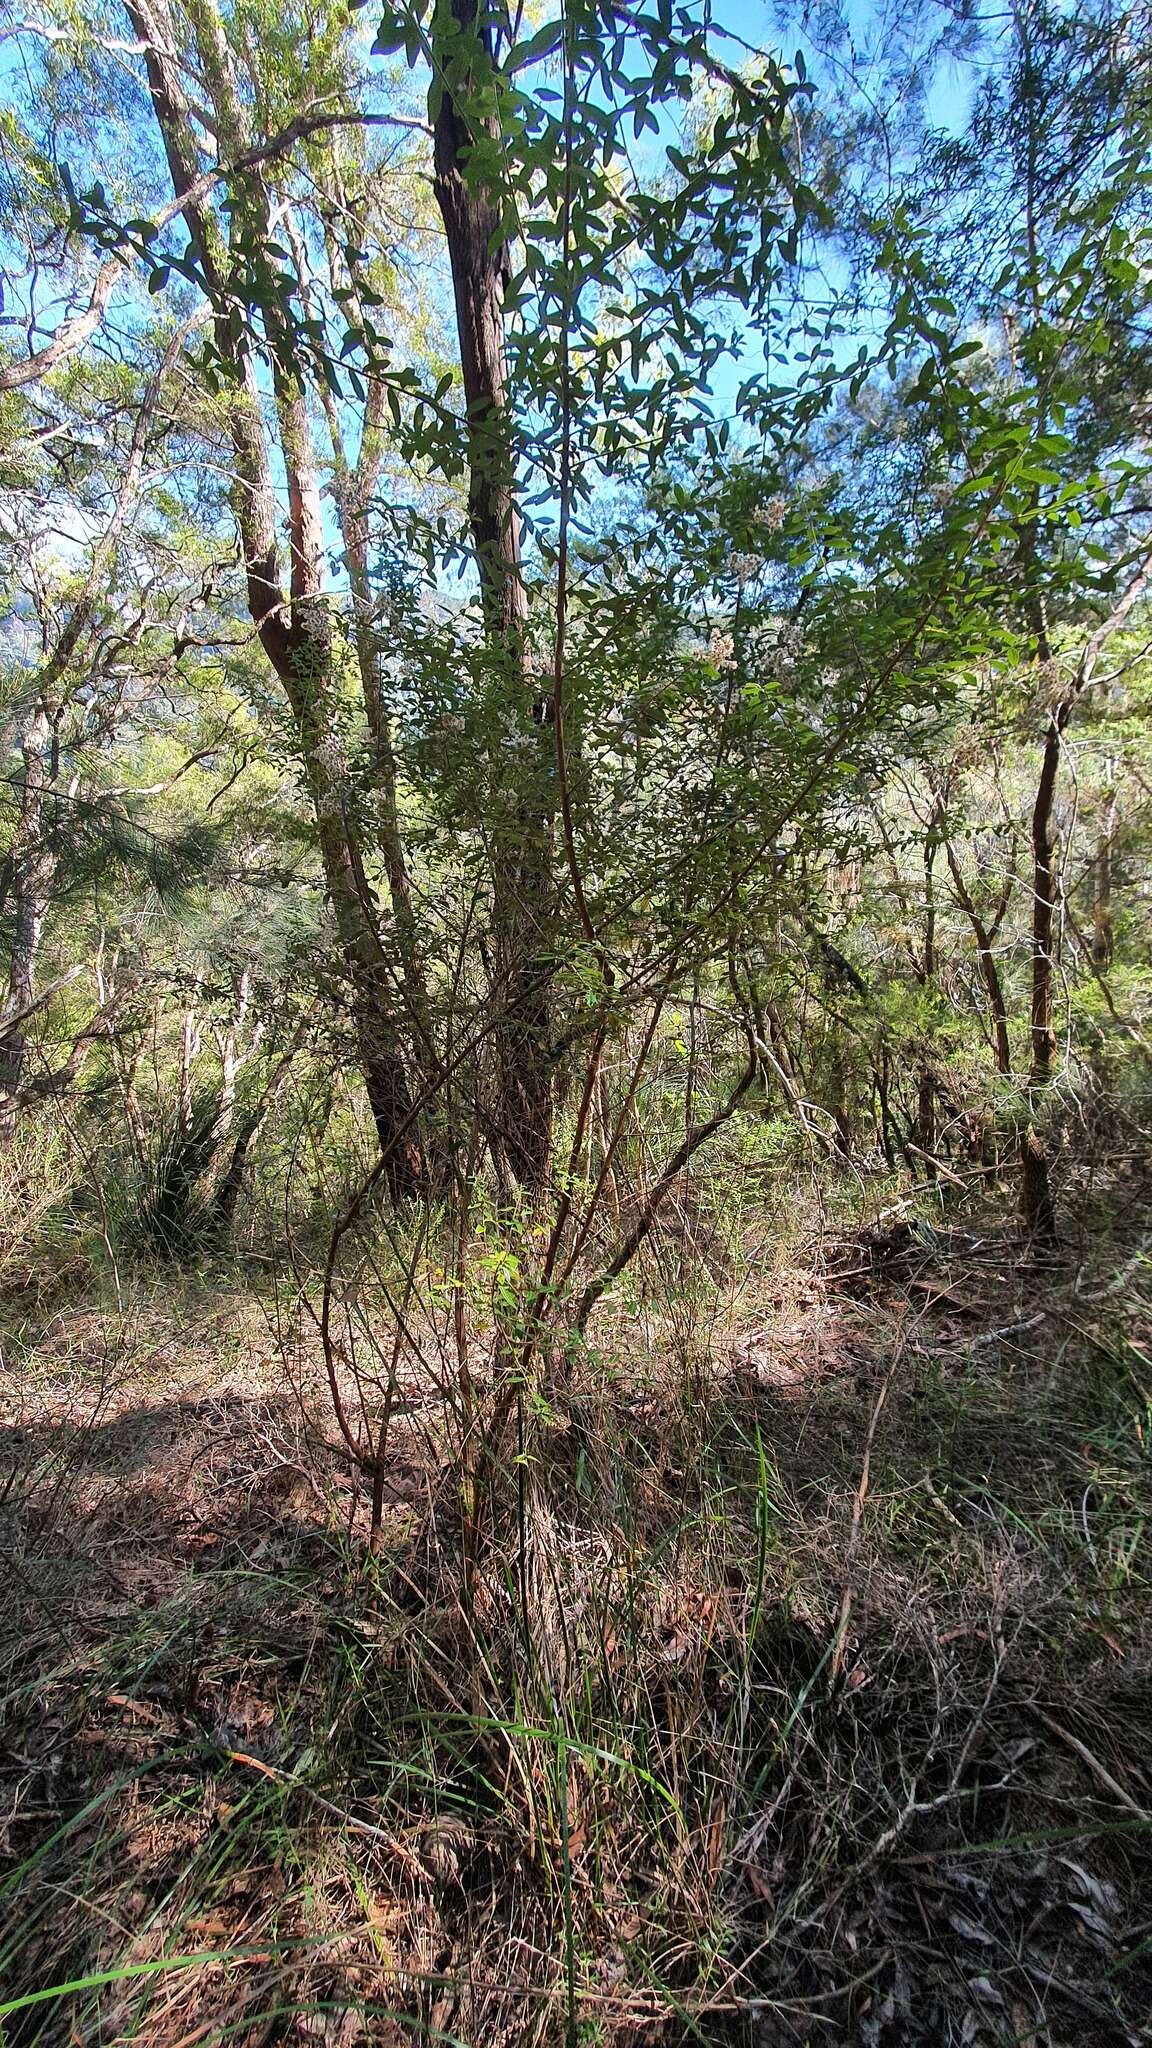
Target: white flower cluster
[[771, 515], [721, 649], [745, 567]]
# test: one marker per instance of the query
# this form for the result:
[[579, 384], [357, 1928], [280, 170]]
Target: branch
[[697, 1136], [72, 335], [1117, 618], [55, 1082], [11, 1019], [75, 331]]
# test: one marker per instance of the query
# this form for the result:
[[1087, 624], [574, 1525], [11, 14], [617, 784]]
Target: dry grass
[[803, 1697]]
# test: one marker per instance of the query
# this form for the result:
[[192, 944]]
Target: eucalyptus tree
[[213, 88], [595, 288], [992, 488], [103, 578], [232, 254]]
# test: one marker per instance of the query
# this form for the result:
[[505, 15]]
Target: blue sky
[[870, 32]]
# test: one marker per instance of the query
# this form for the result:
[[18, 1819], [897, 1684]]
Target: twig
[[347, 1820], [1099, 1771], [679, 1160], [836, 1661], [1001, 1330]]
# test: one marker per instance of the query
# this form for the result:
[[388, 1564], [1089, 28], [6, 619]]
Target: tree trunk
[[1036, 1205], [476, 231], [295, 631], [1037, 1209], [377, 1037], [353, 488], [33, 869], [926, 1079], [1102, 884]]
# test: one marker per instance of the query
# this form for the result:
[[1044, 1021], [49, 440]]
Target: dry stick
[[1014, 1329], [924, 1187], [347, 1820], [957, 1180], [836, 1661], [1098, 1770]]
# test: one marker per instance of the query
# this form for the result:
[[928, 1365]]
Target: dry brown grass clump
[[800, 1695]]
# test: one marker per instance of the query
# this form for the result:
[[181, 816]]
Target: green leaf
[[545, 40]]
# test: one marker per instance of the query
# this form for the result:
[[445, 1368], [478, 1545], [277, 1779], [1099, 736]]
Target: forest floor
[[803, 1698]]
